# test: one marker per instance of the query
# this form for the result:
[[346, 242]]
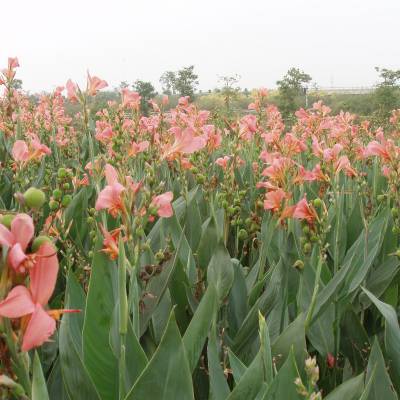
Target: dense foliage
[[186, 254]]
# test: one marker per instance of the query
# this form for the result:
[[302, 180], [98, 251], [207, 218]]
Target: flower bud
[[57, 194], [6, 220], [34, 198], [39, 241], [66, 200], [242, 235]]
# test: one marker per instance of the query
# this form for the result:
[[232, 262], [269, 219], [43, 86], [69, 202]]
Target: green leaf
[[197, 331], [220, 271], [283, 386], [219, 389], [102, 296], [167, 375], [381, 387], [292, 339], [392, 337], [349, 390], [77, 381], [237, 367], [39, 388]]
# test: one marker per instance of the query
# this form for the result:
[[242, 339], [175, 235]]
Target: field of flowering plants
[[195, 255]]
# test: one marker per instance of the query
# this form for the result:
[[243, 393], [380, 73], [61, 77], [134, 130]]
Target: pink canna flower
[[343, 164], [72, 91], [110, 242], [130, 99], [163, 204], [94, 84], [185, 142], [110, 197], [29, 304], [273, 200], [222, 161], [137, 148], [305, 211], [17, 240], [20, 152]]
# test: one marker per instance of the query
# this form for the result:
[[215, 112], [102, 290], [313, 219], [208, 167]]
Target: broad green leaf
[[381, 386], [237, 367], [167, 375], [219, 389], [392, 337], [220, 271], [199, 327], [102, 296], [283, 386], [291, 340], [349, 390], [39, 388]]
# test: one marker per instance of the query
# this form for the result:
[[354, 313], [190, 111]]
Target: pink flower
[[110, 242], [185, 142], [130, 99], [20, 151], [163, 204], [274, 199], [222, 161], [94, 84], [138, 147], [110, 197], [29, 303], [304, 211], [17, 240], [71, 91]]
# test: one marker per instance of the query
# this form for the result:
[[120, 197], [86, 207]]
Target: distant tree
[[292, 89], [17, 84], [229, 89], [147, 92], [387, 93], [167, 80], [186, 81], [123, 85]]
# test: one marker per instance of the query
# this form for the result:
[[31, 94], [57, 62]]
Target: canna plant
[[184, 255]]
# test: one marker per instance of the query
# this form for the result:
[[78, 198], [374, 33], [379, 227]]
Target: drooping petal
[[16, 256], [20, 151], [111, 175], [17, 304], [40, 327], [22, 229], [6, 237], [44, 274]]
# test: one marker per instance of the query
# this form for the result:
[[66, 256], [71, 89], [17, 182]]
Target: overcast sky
[[338, 42]]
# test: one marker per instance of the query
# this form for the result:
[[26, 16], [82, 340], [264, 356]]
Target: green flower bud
[[242, 235], [298, 265], [307, 248], [62, 173], [317, 202], [66, 200], [39, 241], [66, 186], [7, 219], [381, 198], [53, 205], [57, 194], [34, 198]]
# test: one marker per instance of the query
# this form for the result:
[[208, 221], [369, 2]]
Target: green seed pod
[[53, 205], [90, 220], [395, 212], [66, 200], [194, 170], [242, 235], [34, 198], [248, 221], [299, 265], [90, 254], [307, 248], [314, 238], [317, 202], [306, 229], [140, 232], [62, 173], [381, 198], [225, 204], [92, 234], [397, 253], [396, 230], [230, 210], [6, 220], [159, 255], [57, 194], [66, 186], [200, 179], [39, 241]]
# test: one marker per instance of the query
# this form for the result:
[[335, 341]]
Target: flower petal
[[44, 274], [40, 327], [22, 228], [16, 256], [17, 304]]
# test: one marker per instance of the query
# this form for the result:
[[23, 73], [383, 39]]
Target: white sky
[[338, 42]]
